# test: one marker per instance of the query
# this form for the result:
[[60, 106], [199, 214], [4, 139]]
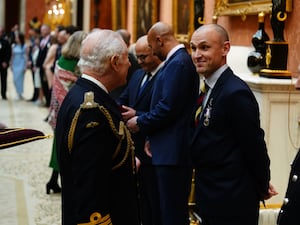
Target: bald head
[[161, 39], [223, 35], [125, 35], [145, 56], [142, 42], [209, 46], [161, 28]]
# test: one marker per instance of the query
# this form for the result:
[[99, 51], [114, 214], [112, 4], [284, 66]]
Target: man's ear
[[159, 40], [226, 47], [114, 61]]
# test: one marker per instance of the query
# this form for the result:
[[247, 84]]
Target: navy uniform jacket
[[97, 173], [229, 154], [289, 213], [174, 94], [141, 103]]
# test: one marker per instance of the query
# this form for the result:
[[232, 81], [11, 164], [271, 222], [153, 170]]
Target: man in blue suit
[[135, 100], [166, 124], [228, 148]]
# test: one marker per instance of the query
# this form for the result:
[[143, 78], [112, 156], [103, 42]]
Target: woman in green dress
[[65, 74]]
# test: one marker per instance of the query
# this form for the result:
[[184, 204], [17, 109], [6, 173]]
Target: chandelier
[[56, 12]]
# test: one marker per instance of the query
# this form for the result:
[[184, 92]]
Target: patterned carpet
[[24, 169]]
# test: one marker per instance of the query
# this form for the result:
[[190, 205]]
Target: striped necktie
[[204, 89]]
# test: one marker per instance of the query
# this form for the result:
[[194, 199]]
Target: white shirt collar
[[85, 76], [173, 50], [212, 80]]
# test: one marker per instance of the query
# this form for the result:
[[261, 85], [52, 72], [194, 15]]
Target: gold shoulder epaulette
[[97, 219], [89, 101]]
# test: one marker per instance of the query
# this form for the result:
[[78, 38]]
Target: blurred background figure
[[126, 36], [34, 40], [43, 49], [5, 54], [65, 75], [19, 63]]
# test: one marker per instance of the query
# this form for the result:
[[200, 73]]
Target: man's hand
[[271, 192], [132, 125], [137, 164], [127, 112]]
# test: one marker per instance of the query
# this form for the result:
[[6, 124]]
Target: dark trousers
[[3, 74], [174, 185], [35, 93], [148, 196], [45, 86]]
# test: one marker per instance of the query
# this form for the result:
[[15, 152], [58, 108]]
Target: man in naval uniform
[[94, 148]]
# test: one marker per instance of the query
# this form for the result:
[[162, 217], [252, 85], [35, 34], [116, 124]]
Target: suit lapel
[[215, 92]]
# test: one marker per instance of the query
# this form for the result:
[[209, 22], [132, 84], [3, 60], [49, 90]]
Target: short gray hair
[[98, 48]]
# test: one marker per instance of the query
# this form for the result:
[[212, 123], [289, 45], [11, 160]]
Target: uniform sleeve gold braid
[[97, 219], [121, 134], [72, 130]]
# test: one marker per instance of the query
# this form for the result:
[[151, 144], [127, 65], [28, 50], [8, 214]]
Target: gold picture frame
[[241, 8], [118, 14], [145, 15], [183, 19]]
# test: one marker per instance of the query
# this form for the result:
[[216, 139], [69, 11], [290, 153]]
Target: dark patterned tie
[[204, 89]]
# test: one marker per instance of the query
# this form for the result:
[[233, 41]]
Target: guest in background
[[5, 54], [19, 63], [136, 100], [15, 30], [34, 36], [44, 46], [174, 93], [94, 148], [132, 59], [65, 75], [58, 38], [227, 147]]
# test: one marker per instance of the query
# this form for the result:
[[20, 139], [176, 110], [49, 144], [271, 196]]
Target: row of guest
[[33, 55], [226, 147]]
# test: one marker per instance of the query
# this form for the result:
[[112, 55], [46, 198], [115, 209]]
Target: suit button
[[294, 178], [285, 201]]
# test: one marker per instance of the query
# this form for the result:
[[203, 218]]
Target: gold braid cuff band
[[97, 219]]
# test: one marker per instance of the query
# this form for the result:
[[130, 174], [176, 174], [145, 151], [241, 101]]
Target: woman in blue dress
[[19, 63]]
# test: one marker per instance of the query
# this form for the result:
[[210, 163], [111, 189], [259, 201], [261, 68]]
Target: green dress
[[64, 77]]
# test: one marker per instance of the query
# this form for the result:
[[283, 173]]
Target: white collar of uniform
[[173, 50], [212, 80], [85, 76]]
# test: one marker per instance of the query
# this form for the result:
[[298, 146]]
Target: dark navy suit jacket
[[230, 155], [174, 94], [141, 103], [89, 182]]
